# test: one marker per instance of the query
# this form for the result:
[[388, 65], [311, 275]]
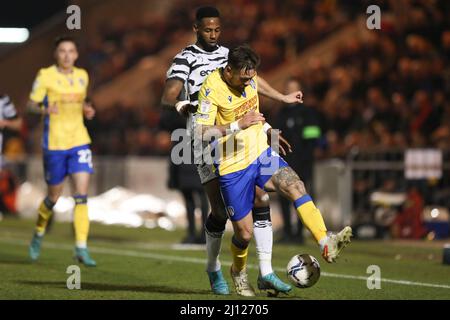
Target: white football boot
[[241, 284], [334, 244]]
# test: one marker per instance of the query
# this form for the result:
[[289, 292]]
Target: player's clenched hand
[[88, 111], [293, 97], [250, 118], [279, 142]]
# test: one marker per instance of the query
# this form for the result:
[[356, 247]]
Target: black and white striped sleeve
[[7, 108], [179, 69]]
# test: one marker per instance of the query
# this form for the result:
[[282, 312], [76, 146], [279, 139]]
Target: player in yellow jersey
[[59, 94], [244, 160]]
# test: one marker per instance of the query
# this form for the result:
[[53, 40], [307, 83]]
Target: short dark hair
[[206, 12], [65, 38], [243, 57]]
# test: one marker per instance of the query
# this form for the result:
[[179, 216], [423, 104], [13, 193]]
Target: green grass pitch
[[144, 264]]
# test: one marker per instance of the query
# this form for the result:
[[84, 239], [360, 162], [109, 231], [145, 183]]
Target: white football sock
[[81, 244], [213, 244], [262, 230]]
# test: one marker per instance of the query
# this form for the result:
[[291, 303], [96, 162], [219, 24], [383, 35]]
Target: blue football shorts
[[60, 163], [238, 188]]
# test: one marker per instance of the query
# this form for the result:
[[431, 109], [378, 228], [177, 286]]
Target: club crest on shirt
[[230, 99], [207, 92], [81, 82]]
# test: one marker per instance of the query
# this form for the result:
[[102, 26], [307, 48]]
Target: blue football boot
[[218, 283], [272, 282], [82, 256], [35, 247]]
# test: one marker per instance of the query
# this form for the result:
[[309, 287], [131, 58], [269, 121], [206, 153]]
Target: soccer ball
[[303, 270]]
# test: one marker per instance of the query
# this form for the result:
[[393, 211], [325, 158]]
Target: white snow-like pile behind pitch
[[116, 206]]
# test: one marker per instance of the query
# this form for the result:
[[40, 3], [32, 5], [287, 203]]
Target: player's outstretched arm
[[267, 90], [169, 99]]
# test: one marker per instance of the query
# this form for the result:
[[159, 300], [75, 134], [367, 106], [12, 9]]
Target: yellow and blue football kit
[[65, 144], [65, 140], [243, 159]]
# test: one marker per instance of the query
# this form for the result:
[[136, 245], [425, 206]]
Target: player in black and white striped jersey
[[193, 64], [184, 79], [9, 119]]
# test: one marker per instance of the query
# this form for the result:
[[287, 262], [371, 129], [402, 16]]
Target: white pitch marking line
[[131, 253]]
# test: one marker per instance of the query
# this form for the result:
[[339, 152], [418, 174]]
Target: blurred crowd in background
[[391, 91]]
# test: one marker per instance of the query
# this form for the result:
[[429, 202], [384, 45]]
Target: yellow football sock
[[81, 221], [239, 254], [44, 213], [311, 217]]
